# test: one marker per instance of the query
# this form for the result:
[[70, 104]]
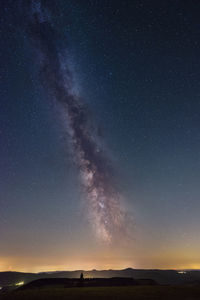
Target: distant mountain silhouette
[[160, 276]]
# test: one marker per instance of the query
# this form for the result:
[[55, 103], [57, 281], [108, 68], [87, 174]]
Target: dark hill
[[88, 282]]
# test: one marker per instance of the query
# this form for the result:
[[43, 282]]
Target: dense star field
[[100, 134]]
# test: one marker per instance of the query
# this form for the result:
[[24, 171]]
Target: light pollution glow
[[105, 260]]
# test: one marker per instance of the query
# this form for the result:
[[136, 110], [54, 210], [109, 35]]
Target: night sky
[[109, 89]]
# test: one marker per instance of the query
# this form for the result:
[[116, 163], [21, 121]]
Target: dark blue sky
[[136, 66]]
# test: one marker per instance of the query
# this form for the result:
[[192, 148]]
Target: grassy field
[[111, 293]]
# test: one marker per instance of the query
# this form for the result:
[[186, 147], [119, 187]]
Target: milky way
[[105, 205]]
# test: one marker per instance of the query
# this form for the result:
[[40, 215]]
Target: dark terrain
[[111, 293], [171, 277], [109, 284]]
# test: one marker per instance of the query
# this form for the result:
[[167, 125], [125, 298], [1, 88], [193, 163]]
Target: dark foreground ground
[[111, 293]]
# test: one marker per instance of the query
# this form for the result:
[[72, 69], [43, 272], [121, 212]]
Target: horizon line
[[101, 270]]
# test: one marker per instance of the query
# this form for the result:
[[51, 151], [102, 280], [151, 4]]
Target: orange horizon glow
[[89, 267], [90, 270], [103, 259]]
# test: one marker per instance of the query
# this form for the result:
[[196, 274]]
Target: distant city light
[[181, 272], [19, 283]]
